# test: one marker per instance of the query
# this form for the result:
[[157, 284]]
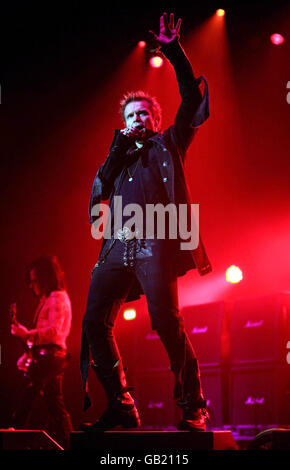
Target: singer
[[146, 166]]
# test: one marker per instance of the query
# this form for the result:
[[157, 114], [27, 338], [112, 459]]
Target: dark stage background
[[64, 67]]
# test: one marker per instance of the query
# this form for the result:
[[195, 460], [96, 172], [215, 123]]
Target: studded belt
[[132, 245]]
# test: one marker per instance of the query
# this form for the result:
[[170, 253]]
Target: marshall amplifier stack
[[259, 374], [243, 350]]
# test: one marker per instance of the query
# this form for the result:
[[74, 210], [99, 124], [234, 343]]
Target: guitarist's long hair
[[49, 273]]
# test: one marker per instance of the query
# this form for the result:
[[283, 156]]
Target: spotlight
[[156, 61], [220, 12], [129, 314], [142, 44], [234, 274], [277, 39]]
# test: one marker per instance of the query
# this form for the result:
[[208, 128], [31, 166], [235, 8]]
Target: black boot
[[192, 401], [121, 411], [194, 417]]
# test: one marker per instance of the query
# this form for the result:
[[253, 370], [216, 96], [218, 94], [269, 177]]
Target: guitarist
[[46, 356]]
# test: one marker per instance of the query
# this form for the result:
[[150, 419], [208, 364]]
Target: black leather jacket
[[170, 149]]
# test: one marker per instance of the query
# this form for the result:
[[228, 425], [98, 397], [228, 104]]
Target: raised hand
[[19, 330], [168, 32]]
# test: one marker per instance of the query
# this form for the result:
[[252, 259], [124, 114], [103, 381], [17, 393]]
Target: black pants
[[109, 287], [45, 379]]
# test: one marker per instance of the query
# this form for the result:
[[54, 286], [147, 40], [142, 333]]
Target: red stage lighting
[[234, 274], [156, 61], [220, 12], [142, 44], [129, 314], [277, 39]]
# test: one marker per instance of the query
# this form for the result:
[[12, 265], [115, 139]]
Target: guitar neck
[[12, 314]]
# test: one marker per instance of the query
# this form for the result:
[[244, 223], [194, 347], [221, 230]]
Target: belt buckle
[[125, 234]]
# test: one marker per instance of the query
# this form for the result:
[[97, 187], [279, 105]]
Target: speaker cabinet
[[155, 401], [271, 439], [260, 329], [212, 382], [260, 395], [150, 353], [206, 325]]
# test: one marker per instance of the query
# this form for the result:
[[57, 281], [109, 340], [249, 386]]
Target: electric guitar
[[24, 362]]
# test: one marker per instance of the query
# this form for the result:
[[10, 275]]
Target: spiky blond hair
[[139, 96]]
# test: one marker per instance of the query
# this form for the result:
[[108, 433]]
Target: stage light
[[234, 274], [129, 314], [156, 61], [142, 44], [220, 12], [277, 39]]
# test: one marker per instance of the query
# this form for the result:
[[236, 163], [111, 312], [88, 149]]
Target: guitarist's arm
[[23, 333], [20, 330], [16, 328]]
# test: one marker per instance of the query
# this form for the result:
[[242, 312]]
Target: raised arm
[[193, 110]]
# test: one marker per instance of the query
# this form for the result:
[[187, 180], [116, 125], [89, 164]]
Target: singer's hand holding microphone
[[134, 132]]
